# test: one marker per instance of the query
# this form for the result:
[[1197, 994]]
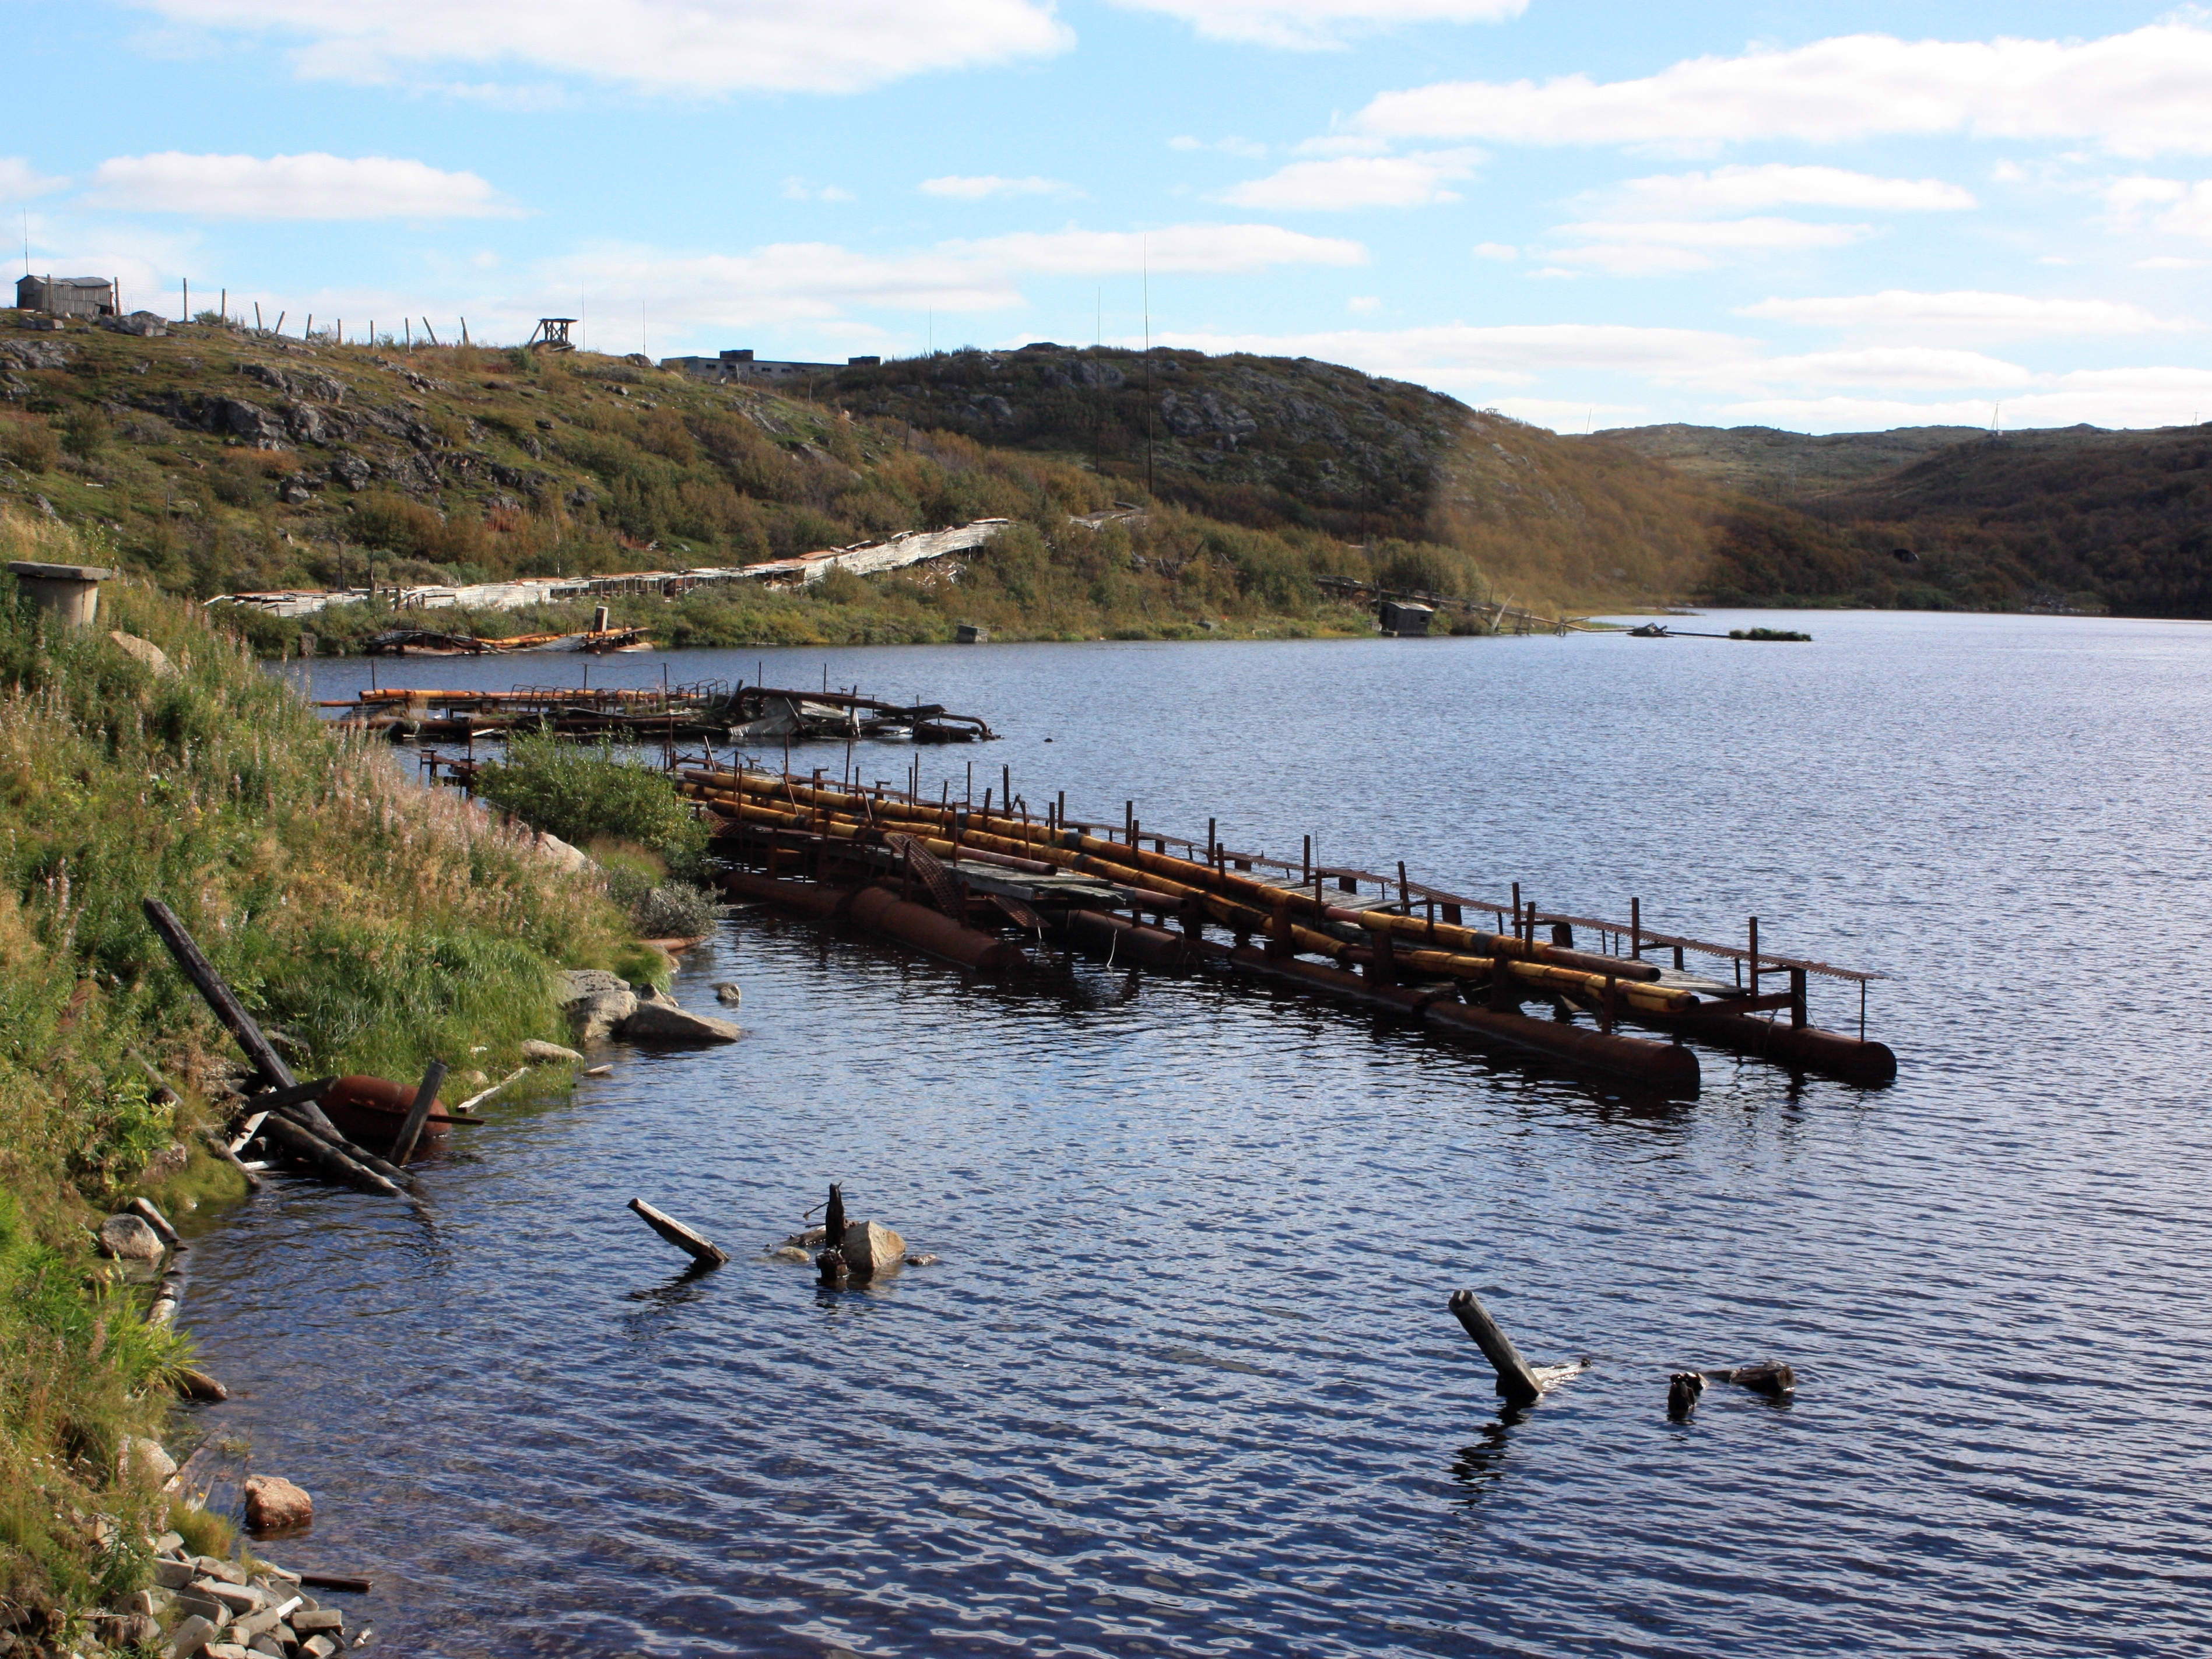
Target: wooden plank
[[426, 1096], [1516, 1382], [698, 1247], [209, 984]]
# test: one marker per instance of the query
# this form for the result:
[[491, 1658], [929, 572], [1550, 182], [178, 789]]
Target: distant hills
[[2077, 518], [217, 458]]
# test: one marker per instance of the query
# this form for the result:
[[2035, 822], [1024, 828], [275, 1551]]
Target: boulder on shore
[[129, 1238], [596, 1002], [274, 1504], [144, 1459], [548, 1054], [664, 1022]]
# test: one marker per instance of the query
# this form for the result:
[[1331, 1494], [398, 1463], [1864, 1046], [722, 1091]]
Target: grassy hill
[[2076, 519]]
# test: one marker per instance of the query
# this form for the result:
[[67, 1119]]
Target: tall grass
[[372, 923]]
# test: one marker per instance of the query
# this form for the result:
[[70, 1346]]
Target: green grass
[[374, 923]]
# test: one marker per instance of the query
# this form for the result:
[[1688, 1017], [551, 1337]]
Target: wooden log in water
[[1516, 1383], [698, 1246], [418, 1114], [325, 1159], [1771, 1377], [1683, 1389], [295, 1114]]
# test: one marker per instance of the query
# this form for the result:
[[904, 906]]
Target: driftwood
[[158, 1222], [1771, 1377], [223, 1150], [360, 1155], [698, 1246], [418, 1114], [209, 984], [1519, 1383], [482, 1096], [324, 1159]]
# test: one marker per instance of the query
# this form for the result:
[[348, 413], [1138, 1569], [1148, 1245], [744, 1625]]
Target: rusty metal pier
[[978, 883]]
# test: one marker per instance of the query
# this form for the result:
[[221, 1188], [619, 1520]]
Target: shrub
[[581, 794], [85, 433], [30, 446], [665, 909]]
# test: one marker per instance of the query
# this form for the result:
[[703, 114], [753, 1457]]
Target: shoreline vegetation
[[368, 923]]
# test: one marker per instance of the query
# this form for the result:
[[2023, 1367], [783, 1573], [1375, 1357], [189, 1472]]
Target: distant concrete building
[[743, 366], [66, 296]]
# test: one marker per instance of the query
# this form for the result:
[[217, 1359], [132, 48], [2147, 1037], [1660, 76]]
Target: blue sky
[[1577, 211]]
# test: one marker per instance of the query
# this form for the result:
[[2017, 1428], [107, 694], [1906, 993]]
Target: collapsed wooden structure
[[976, 885], [705, 711]]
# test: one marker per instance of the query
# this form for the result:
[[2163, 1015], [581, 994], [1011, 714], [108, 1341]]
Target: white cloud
[[1748, 189], [1363, 305], [1925, 367], [989, 185], [1251, 150], [796, 189], [1967, 312], [2190, 214], [1311, 24], [313, 186], [1647, 247], [1505, 250], [800, 283], [2170, 262], [1199, 250], [19, 181], [681, 46], [2108, 398], [2137, 94], [1356, 181], [1457, 356]]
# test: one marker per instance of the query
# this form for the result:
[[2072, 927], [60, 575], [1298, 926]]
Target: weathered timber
[[158, 1222], [296, 1116], [698, 1246], [325, 1159], [209, 984], [1683, 1389], [1516, 1383], [1771, 1377], [222, 1148], [418, 1114]]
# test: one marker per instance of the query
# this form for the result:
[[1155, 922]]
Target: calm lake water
[[1184, 1382]]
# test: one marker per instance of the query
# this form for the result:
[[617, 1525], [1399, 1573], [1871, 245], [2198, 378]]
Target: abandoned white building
[[66, 296], [743, 366]]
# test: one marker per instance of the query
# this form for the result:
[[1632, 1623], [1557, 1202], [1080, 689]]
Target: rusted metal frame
[[1768, 960]]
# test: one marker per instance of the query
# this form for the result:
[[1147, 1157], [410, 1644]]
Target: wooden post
[[700, 1248], [1754, 955], [1796, 996], [1516, 1383], [1636, 928], [426, 1096], [1305, 862], [210, 985]]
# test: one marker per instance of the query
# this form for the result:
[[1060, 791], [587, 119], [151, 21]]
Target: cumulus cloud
[[2154, 397], [1920, 368], [1647, 247], [1464, 357], [1968, 312], [1502, 251], [311, 187], [1250, 148], [1309, 25], [2187, 208], [681, 46], [983, 187], [1748, 189], [1356, 181], [800, 282], [19, 181], [2138, 93]]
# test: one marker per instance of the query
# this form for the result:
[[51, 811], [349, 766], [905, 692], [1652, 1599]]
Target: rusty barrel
[[883, 911]]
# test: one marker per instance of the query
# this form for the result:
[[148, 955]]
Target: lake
[[1183, 1381]]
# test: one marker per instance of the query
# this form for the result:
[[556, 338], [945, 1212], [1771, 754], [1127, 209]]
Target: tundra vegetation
[[366, 922]]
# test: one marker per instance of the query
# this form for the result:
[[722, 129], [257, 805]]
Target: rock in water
[[274, 1505], [597, 1003], [728, 995], [664, 1022], [549, 1053], [129, 1238], [872, 1247]]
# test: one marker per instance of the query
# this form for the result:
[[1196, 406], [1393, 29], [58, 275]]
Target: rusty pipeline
[[1666, 1067], [1805, 1047], [807, 897], [883, 911]]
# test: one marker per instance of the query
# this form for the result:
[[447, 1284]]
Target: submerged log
[[1771, 1377], [1683, 1389], [698, 1246], [1516, 1383], [324, 1159]]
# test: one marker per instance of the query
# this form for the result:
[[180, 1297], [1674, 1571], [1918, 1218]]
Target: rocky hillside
[[2071, 518]]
